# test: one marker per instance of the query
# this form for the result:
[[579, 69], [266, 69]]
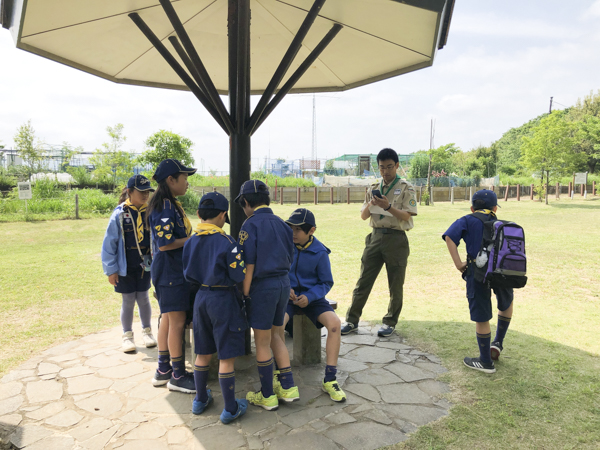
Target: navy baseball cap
[[252, 187], [219, 202], [488, 198], [169, 167], [139, 182], [302, 216]]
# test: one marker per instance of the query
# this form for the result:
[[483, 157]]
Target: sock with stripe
[[330, 373], [200, 379], [484, 341], [503, 324], [227, 383], [265, 372], [286, 378], [178, 366], [164, 361]]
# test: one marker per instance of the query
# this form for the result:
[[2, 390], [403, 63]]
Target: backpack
[[501, 261]]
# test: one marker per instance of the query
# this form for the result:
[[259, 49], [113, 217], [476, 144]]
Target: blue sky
[[502, 63]]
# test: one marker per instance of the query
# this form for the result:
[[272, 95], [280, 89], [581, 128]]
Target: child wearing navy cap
[[310, 281], [126, 258], [470, 229], [170, 230], [213, 261], [268, 250]]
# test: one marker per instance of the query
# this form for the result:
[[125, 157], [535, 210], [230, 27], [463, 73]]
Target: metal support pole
[[76, 206], [452, 195], [298, 196], [331, 195]]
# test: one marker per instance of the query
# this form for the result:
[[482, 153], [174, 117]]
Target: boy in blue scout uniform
[[214, 262], [470, 230], [268, 249], [310, 280], [126, 258], [170, 230], [386, 244]]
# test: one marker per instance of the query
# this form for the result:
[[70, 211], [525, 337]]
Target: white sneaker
[[128, 344], [149, 340]]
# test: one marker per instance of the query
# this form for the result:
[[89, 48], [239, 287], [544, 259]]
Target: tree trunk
[[547, 184]]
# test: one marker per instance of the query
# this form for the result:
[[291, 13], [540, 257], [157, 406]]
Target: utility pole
[[429, 190], [550, 111]]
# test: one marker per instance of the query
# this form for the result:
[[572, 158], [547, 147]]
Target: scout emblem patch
[[397, 191], [160, 233], [167, 227], [243, 237], [241, 263], [233, 265], [165, 219], [168, 236], [412, 202], [157, 227], [238, 257]]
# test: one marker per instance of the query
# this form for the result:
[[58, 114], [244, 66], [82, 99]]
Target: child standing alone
[[126, 258], [470, 229]]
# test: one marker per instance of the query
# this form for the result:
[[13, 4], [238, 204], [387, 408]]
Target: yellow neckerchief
[[487, 212], [305, 246], [260, 207], [186, 221], [139, 225], [205, 228]]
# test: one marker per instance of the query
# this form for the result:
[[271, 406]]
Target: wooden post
[[298, 195], [582, 189], [594, 188], [518, 192], [77, 206], [348, 194], [420, 193], [281, 195], [470, 192], [331, 195], [570, 187], [275, 189], [214, 189], [506, 193], [531, 192], [452, 195], [316, 195]]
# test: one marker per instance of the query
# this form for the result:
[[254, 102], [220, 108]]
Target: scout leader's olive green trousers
[[382, 246]]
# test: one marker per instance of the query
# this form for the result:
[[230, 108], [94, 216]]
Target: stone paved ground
[[87, 394]]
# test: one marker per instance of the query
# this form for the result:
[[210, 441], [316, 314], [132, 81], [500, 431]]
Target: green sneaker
[[334, 391], [269, 403], [276, 382], [287, 395]]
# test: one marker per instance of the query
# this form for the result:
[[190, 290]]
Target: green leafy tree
[[549, 151], [67, 153], [165, 144], [28, 147], [112, 164]]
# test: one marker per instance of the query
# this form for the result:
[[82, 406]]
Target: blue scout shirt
[[470, 230], [213, 260], [268, 243], [310, 274], [166, 226]]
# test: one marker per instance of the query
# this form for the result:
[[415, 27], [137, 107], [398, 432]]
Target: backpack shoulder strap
[[484, 217]]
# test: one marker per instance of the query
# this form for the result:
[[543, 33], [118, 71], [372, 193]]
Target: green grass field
[[544, 395]]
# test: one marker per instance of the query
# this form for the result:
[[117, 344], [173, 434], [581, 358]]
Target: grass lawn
[[545, 393]]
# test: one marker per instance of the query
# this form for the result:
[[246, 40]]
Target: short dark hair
[[256, 199], [207, 214], [387, 153], [306, 227]]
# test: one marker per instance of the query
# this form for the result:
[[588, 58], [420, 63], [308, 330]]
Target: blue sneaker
[[227, 417], [198, 407]]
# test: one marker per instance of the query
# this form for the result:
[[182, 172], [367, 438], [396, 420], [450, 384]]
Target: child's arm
[[110, 249], [177, 243], [324, 282], [248, 279], [460, 265]]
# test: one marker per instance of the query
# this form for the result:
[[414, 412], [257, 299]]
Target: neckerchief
[[305, 246], [205, 228], [487, 212], [381, 216], [260, 207], [139, 225], [186, 221]]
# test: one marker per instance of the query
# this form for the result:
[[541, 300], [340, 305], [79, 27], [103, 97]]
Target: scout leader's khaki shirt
[[402, 196]]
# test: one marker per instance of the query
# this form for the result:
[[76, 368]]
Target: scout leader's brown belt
[[387, 231]]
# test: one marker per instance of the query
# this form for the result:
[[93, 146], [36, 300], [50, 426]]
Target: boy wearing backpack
[[470, 229]]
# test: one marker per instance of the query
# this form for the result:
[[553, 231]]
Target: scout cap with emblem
[[215, 201], [252, 187], [169, 167], [302, 216], [485, 199], [139, 182]]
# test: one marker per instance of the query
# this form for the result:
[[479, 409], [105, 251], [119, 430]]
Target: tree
[[28, 147], [549, 150], [165, 144], [111, 164], [418, 165], [67, 153]]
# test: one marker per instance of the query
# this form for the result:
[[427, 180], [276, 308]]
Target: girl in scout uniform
[[126, 258], [170, 229]]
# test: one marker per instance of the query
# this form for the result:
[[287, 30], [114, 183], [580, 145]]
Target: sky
[[502, 63]]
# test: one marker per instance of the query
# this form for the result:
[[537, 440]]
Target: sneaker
[[160, 379], [198, 407], [276, 382], [385, 331], [185, 383], [147, 337], [335, 392], [287, 395], [128, 344], [496, 349], [477, 364], [227, 417], [269, 403], [348, 328]]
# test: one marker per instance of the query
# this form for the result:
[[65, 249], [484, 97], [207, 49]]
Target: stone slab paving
[[88, 395]]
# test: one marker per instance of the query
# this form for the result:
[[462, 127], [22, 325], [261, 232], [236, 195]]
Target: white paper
[[374, 209]]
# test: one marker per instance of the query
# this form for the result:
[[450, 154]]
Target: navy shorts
[[137, 280], [480, 305], [174, 298], [268, 302], [313, 310], [219, 324]]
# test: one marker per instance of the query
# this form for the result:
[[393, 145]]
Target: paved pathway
[[87, 394]]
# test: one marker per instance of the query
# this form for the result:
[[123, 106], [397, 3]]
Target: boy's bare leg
[[203, 360], [483, 327], [507, 312], [332, 322], [163, 333], [226, 365], [281, 331], [280, 351], [176, 320], [262, 340]]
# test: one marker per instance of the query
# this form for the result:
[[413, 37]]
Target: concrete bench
[[307, 339]]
